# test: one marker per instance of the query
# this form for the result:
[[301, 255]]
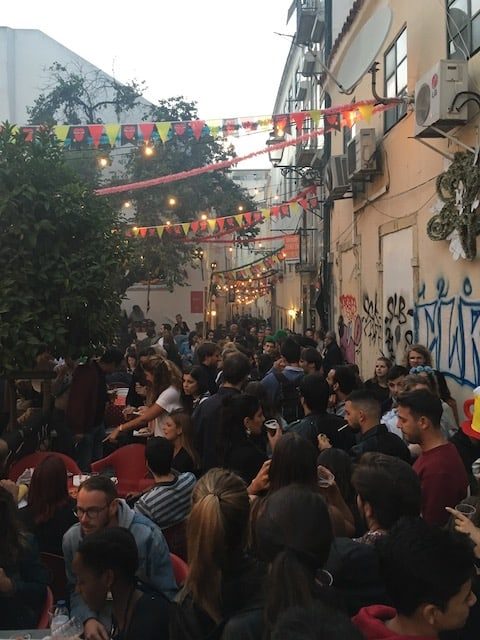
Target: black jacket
[[380, 439], [329, 424]]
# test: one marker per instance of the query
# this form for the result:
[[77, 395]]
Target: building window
[[463, 28], [396, 78]]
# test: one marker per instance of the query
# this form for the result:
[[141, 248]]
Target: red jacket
[[370, 621]]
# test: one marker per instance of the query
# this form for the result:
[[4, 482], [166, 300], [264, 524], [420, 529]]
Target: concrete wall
[[392, 284]]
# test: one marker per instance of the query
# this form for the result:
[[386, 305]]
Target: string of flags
[[199, 228], [115, 134], [256, 269]]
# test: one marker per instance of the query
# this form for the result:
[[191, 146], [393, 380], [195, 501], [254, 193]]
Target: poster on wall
[[196, 301]]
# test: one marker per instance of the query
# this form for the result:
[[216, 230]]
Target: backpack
[[287, 397]]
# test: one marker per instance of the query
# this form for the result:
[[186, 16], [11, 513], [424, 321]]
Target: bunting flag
[[256, 269], [98, 134], [305, 200]]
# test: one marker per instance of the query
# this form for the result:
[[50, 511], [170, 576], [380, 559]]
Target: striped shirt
[[168, 503]]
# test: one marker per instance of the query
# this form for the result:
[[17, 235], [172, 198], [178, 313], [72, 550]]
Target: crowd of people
[[308, 503]]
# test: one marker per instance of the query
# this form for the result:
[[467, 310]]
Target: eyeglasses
[[91, 512]]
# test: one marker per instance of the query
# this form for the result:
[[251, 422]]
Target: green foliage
[[62, 255], [211, 193]]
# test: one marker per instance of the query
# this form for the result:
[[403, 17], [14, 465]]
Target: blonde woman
[[222, 580], [164, 381]]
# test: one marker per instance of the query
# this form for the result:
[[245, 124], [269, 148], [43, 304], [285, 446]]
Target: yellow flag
[[315, 116], [295, 208], [211, 224], [61, 131], [186, 227], [160, 231], [266, 213], [239, 219], [366, 112], [112, 131], [163, 128]]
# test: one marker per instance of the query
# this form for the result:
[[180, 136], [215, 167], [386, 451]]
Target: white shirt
[[169, 400]]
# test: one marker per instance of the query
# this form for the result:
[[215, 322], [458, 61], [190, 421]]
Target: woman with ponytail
[[296, 548], [222, 580]]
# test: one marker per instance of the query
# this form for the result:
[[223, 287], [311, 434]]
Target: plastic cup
[[467, 510], [272, 426], [325, 477]]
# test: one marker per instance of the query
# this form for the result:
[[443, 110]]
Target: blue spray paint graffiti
[[449, 327]]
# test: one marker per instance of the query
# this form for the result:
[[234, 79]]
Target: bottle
[[60, 616]]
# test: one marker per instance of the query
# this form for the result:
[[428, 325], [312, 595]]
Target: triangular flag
[[151, 231], [78, 134], [295, 208], [163, 129], [135, 231], [350, 117], [274, 212], [332, 122], [265, 213], [366, 111], [315, 115], [248, 124], [214, 126], [28, 133], [129, 133], [194, 226], [248, 217], [143, 231], [146, 129], [239, 219], [160, 231], [284, 210], [186, 227], [211, 224], [180, 128], [112, 131], [303, 202], [96, 131], [221, 223], [280, 123], [299, 118], [61, 131], [230, 126], [197, 127]]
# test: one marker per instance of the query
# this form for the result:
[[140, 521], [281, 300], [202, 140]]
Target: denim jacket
[[155, 568]]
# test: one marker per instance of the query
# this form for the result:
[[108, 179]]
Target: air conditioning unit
[[308, 66], [336, 177], [434, 95], [302, 90], [361, 155]]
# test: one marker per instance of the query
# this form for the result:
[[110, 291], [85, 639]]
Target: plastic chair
[[180, 569], [44, 622], [129, 465], [34, 459], [57, 582]]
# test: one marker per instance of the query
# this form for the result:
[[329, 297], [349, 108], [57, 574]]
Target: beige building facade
[[391, 284]]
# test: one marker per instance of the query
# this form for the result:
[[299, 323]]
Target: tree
[[211, 193], [62, 256]]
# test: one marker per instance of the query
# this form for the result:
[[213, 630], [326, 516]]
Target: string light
[[172, 201]]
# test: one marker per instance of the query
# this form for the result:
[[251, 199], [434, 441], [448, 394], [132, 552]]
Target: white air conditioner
[[434, 95], [302, 90], [336, 177], [361, 155], [308, 66]]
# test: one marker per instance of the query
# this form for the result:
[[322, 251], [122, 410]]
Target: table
[[35, 634]]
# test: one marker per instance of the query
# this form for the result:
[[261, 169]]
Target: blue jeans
[[90, 448]]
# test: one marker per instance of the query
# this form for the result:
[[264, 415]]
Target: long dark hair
[[12, 536], [259, 390], [340, 464], [183, 421], [48, 489], [294, 461], [294, 535], [232, 428]]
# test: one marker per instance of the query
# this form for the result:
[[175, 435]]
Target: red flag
[[221, 223], [28, 133], [142, 231], [299, 118], [180, 128], [78, 134], [332, 122], [275, 212], [248, 217], [197, 127], [152, 231], [96, 131], [129, 132], [303, 202], [194, 226], [146, 129], [280, 123]]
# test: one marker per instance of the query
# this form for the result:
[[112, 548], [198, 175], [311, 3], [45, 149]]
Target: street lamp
[[275, 155]]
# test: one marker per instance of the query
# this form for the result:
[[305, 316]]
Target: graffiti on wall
[[398, 326], [449, 326], [349, 328], [372, 321]]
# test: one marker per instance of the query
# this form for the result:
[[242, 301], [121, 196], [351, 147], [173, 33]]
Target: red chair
[[57, 582], [44, 621], [180, 569], [129, 465], [34, 459]]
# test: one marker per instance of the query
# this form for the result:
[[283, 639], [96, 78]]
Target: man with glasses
[[99, 507]]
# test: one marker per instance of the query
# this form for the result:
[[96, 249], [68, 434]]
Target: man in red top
[[428, 577], [442, 474]]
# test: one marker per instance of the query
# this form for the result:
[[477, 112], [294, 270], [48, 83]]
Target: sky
[[223, 54]]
